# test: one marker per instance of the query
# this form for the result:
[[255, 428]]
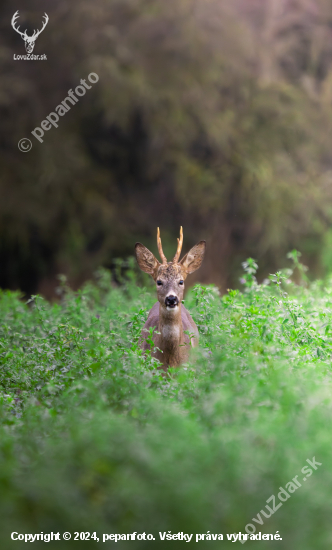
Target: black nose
[[171, 301]]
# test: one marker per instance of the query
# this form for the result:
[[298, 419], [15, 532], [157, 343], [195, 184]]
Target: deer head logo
[[29, 41]]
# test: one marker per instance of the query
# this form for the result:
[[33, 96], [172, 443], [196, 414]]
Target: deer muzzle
[[171, 301]]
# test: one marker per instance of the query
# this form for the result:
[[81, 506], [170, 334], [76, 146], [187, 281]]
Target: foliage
[[236, 149], [93, 438]]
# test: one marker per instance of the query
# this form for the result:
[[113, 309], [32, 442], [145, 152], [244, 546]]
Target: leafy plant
[[94, 438]]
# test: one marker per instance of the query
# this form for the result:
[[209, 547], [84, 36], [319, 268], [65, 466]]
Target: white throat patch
[[170, 331]]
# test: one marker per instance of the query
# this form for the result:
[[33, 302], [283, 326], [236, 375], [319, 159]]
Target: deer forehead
[[170, 272]]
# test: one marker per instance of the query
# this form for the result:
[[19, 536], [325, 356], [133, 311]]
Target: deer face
[[170, 285], [170, 276]]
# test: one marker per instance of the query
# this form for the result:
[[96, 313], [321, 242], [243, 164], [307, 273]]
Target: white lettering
[[35, 133]]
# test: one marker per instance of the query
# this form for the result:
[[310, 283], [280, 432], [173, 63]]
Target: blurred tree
[[209, 114]]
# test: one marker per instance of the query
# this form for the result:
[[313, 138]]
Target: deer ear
[[146, 260], [193, 259]]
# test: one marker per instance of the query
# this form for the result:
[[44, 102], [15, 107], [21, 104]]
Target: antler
[[44, 25], [180, 243], [14, 19], [160, 249]]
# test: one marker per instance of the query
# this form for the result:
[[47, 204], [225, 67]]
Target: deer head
[[29, 41], [170, 276]]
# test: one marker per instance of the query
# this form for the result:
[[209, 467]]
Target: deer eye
[[159, 283], [181, 282]]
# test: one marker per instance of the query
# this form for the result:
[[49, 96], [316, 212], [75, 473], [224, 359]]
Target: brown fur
[[170, 323]]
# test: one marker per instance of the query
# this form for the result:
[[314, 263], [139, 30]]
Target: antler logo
[[29, 41]]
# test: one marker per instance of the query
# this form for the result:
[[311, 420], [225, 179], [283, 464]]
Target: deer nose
[[171, 301]]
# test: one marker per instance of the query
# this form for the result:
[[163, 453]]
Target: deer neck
[[171, 334]]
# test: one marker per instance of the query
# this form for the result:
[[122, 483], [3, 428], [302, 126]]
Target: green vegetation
[[93, 438], [214, 115]]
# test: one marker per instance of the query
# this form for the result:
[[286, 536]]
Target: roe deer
[[169, 317]]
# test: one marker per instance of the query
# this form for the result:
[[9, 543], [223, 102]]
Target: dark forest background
[[210, 114]]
